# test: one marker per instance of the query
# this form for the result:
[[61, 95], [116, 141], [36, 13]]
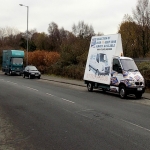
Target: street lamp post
[[27, 30]]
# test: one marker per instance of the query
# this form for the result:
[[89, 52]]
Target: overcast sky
[[104, 15]]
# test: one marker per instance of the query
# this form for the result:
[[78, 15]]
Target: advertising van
[[109, 70]]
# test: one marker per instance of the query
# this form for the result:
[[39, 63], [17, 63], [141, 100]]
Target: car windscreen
[[128, 65], [32, 68]]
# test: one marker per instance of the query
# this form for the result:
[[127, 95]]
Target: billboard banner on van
[[101, 52]]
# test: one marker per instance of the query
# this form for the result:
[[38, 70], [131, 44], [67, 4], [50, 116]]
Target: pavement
[[146, 95]]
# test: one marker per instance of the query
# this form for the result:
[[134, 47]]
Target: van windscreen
[[128, 65]]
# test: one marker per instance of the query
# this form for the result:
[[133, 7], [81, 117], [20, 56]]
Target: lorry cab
[[12, 61]]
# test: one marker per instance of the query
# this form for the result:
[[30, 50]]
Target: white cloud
[[104, 16]]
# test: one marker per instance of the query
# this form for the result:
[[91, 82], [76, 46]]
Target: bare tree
[[4, 32], [82, 29], [142, 17], [54, 36]]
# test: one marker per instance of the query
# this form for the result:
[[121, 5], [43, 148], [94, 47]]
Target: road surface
[[43, 115]]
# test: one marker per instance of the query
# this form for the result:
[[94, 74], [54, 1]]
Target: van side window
[[97, 58], [102, 57], [116, 65]]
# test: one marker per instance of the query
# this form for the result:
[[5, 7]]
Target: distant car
[[31, 72]]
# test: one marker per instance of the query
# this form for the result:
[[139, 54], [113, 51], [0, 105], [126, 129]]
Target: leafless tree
[[141, 16], [82, 29]]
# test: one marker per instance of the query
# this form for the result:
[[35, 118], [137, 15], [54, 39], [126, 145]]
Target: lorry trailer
[[12, 61]]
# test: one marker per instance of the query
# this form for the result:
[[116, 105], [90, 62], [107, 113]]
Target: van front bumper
[[135, 90]]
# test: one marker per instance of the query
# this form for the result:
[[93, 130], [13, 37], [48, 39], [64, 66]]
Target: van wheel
[[122, 92], [90, 87], [138, 95]]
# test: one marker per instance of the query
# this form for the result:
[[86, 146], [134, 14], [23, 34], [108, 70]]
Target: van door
[[116, 74]]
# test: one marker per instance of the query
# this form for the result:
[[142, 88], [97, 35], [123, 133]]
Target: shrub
[[144, 68], [43, 60]]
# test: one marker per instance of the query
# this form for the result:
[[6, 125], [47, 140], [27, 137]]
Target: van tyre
[[122, 92], [90, 87]]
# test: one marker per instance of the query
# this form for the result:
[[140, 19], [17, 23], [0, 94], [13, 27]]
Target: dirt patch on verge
[[10, 137]]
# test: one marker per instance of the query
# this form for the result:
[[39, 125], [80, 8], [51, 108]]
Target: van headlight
[[131, 82]]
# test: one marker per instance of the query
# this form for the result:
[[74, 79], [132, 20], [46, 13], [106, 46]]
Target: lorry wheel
[[10, 73], [122, 92], [90, 87], [138, 95]]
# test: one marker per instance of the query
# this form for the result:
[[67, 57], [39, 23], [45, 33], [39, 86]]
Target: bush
[[43, 60], [71, 71], [144, 68]]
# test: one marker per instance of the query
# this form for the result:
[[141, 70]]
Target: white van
[[107, 69], [99, 64]]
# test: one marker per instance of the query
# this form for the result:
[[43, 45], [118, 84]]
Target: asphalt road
[[45, 115]]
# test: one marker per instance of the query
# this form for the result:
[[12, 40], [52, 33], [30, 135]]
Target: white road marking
[[61, 98], [11, 82], [50, 94], [136, 125], [67, 100], [31, 88]]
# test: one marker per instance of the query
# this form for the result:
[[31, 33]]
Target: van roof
[[122, 57]]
